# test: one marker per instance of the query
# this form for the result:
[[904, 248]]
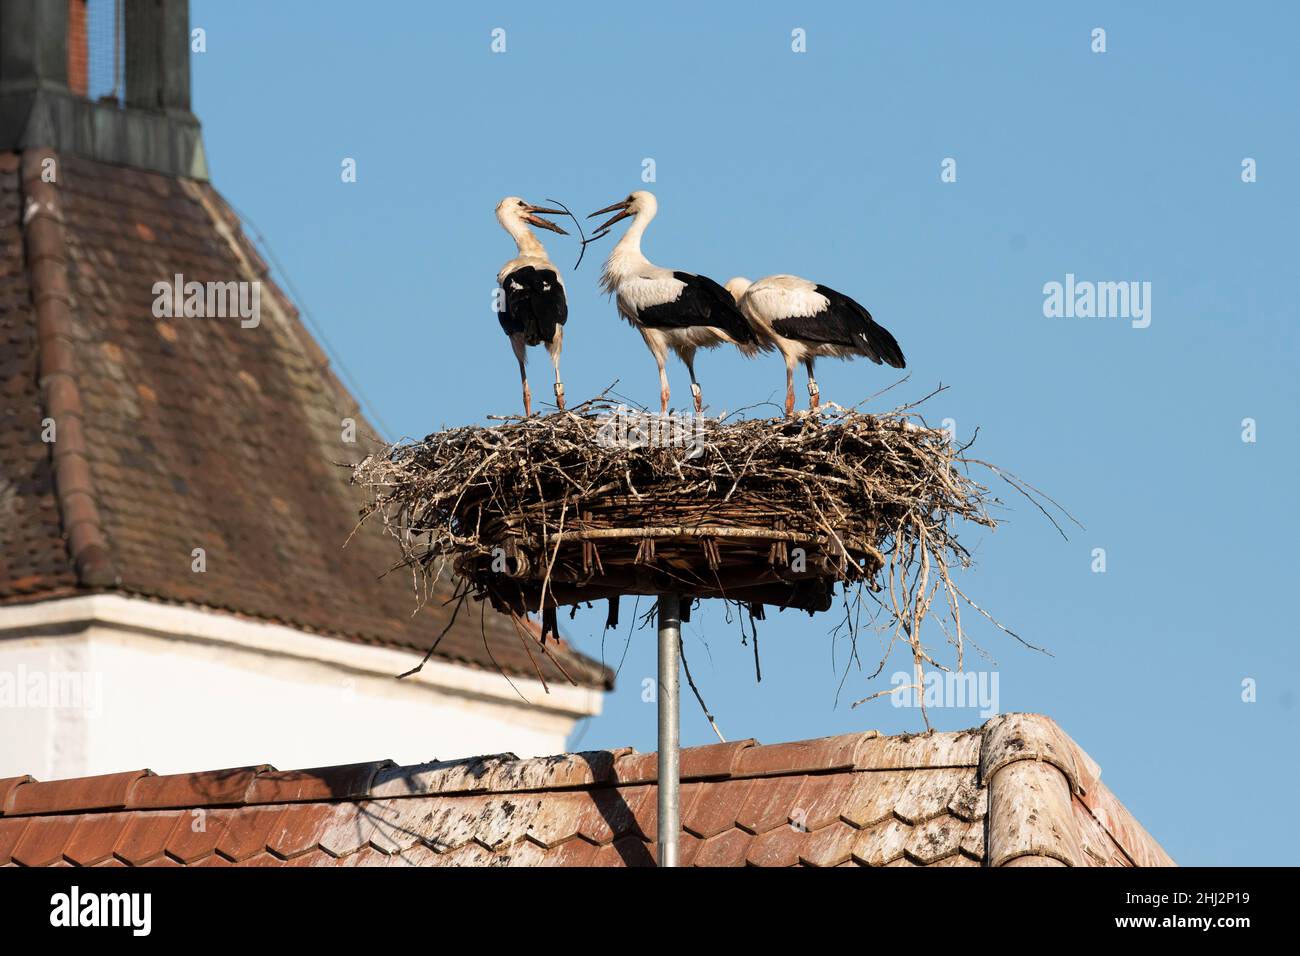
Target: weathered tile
[[928, 793], [778, 847], [724, 849], [715, 809], [874, 796], [940, 837], [883, 843], [769, 803], [830, 846]]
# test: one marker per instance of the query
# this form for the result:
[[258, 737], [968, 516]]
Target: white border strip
[[217, 627]]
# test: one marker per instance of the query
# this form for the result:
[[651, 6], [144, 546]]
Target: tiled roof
[[183, 433], [1016, 792]]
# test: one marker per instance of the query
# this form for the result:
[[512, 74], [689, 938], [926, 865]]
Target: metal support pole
[[670, 630]]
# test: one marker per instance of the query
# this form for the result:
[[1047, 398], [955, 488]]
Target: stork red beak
[[545, 223], [622, 215]]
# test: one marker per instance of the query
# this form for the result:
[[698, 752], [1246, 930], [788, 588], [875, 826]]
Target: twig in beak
[[600, 235], [581, 234]]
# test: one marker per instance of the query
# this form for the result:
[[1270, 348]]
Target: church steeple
[[45, 99]]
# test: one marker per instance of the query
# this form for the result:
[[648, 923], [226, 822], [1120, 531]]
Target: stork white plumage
[[674, 310], [805, 321], [532, 307]]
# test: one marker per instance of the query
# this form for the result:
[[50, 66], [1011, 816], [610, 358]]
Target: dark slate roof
[[184, 433]]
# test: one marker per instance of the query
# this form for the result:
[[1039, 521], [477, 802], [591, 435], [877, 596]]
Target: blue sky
[[1117, 166]]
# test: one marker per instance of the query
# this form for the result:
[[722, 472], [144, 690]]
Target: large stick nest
[[532, 514]]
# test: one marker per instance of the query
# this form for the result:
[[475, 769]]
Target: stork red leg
[[814, 393], [663, 386], [517, 343], [559, 386], [789, 389], [554, 349]]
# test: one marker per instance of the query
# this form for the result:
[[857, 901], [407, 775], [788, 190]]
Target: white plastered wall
[[104, 683]]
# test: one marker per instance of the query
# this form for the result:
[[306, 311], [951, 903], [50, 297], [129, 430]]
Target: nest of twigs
[[604, 501]]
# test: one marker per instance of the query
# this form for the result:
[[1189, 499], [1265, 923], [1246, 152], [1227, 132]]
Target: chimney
[[48, 59], [78, 49]]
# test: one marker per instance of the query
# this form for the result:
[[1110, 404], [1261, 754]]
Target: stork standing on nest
[[674, 310], [805, 321], [532, 307]]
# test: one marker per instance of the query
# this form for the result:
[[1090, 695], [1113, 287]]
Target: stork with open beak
[[531, 307], [805, 321], [674, 310]]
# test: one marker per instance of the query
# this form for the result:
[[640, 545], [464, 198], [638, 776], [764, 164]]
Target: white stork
[[532, 308], [673, 310], [805, 321]]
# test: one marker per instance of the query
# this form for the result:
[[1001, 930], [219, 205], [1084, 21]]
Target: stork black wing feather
[[535, 304], [701, 302], [847, 324]]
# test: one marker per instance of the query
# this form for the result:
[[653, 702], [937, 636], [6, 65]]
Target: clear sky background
[[1115, 166]]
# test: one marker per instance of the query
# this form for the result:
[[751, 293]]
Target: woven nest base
[[533, 514], [739, 564]]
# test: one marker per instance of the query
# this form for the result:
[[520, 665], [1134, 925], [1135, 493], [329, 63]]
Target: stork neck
[[527, 243], [631, 241]]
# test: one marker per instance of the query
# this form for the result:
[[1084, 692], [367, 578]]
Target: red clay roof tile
[[311, 858], [709, 817], [7, 786], [643, 801], [874, 796], [637, 768], [245, 831], [630, 851], [474, 775], [147, 832], [777, 847], [829, 846], [931, 809], [210, 788], [919, 751], [42, 843], [575, 852], [802, 756], [821, 799], [769, 803], [213, 860], [11, 829], [688, 848], [712, 760], [723, 849], [105, 792], [606, 816], [342, 828], [561, 820], [883, 843], [196, 838], [318, 783], [95, 837]]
